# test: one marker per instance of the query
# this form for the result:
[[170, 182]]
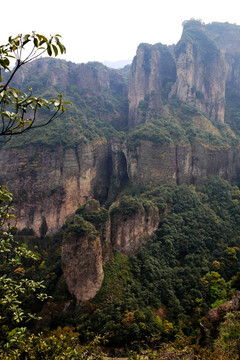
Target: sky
[[100, 30]]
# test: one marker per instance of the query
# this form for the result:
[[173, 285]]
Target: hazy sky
[[98, 30]]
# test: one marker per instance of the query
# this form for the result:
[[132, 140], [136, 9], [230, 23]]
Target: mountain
[[173, 116], [126, 174], [117, 64]]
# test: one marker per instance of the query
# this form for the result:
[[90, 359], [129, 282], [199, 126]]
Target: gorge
[[138, 179]]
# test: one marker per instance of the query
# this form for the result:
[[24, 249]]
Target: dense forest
[[153, 219]]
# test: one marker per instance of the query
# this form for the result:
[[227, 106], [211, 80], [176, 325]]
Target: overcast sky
[[99, 30]]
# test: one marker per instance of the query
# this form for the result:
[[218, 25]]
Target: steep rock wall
[[151, 69], [49, 185], [184, 163], [128, 234], [82, 266], [86, 85], [201, 73], [88, 244]]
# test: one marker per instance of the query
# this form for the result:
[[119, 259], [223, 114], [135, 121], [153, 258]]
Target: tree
[[15, 288], [228, 343], [18, 110]]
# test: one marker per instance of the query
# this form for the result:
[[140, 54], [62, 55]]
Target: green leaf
[[49, 50], [55, 49], [62, 48], [35, 41]]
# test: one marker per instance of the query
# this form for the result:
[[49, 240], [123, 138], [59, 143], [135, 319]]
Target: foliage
[[228, 342], [93, 212], [60, 344], [203, 45], [179, 126], [184, 270], [126, 206], [16, 290], [19, 110], [79, 227]]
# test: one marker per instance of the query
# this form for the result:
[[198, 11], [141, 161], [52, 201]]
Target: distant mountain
[[117, 64]]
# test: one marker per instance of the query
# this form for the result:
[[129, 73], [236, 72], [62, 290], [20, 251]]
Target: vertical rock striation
[[152, 68], [49, 185], [201, 72]]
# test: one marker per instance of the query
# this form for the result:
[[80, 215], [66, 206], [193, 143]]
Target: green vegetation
[[164, 291], [95, 114], [126, 206], [184, 270], [195, 33], [158, 297], [18, 109], [182, 124]]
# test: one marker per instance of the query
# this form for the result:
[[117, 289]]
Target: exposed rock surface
[[198, 68], [187, 163], [200, 72], [49, 185], [82, 265], [128, 233], [151, 69], [50, 182], [217, 314], [87, 245]]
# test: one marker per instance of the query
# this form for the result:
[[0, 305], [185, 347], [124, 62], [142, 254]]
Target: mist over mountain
[[117, 64]]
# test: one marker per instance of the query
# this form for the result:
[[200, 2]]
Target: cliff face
[[128, 233], [200, 72], [152, 68], [87, 155], [189, 163], [196, 70], [50, 182], [91, 235], [49, 185], [82, 266], [89, 86]]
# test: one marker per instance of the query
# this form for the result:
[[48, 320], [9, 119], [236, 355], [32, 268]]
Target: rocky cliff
[[49, 185], [153, 68], [84, 155], [92, 235], [201, 72], [175, 118], [196, 70], [184, 163]]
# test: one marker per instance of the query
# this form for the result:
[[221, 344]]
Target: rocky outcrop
[[130, 231], [200, 72], [227, 38], [216, 315], [198, 68], [152, 68], [87, 85], [184, 163], [82, 265], [86, 247], [50, 184], [91, 236]]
